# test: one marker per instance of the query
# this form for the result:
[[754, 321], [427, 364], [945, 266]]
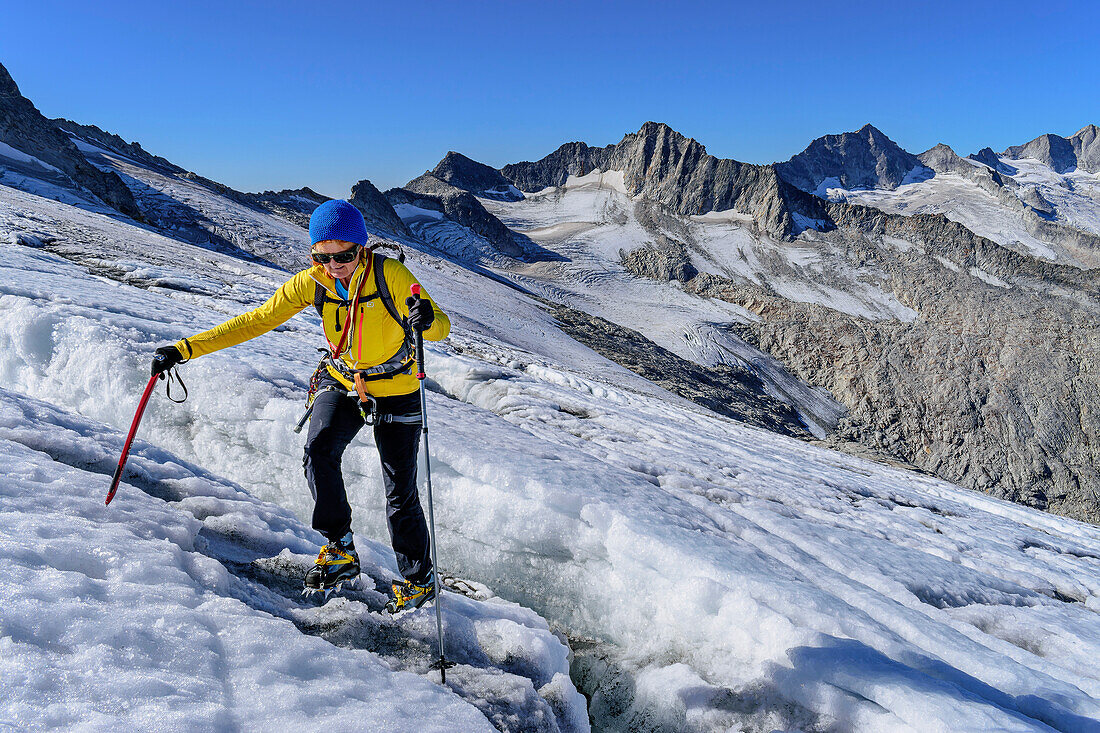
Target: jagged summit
[[662, 165], [987, 157], [304, 191], [376, 210], [866, 158], [27, 130], [469, 175], [1086, 146], [1055, 151]]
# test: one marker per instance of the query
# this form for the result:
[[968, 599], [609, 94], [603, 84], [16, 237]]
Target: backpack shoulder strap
[[383, 288]]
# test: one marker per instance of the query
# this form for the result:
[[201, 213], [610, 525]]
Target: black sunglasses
[[343, 258]]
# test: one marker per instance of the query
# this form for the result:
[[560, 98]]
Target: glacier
[[705, 574]]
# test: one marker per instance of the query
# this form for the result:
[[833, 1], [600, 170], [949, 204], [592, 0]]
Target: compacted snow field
[[1073, 198], [707, 575]]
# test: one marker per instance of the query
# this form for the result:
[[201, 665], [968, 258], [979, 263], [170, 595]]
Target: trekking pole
[[442, 663], [130, 438]]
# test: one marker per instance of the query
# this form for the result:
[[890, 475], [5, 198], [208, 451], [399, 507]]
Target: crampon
[[336, 568]]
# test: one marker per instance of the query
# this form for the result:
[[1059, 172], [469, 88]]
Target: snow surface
[[726, 576], [591, 220], [7, 151], [1075, 197], [139, 616], [408, 212]]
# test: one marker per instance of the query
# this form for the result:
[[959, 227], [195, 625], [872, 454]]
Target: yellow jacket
[[374, 337]]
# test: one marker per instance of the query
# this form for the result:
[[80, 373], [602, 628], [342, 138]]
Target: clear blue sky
[[271, 95]]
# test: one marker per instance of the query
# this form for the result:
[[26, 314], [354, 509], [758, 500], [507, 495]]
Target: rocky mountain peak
[[376, 210], [1086, 146], [661, 130], [663, 166], [866, 158], [1090, 129], [24, 128], [479, 179], [873, 134], [943, 159], [1057, 152], [8, 87], [989, 158]]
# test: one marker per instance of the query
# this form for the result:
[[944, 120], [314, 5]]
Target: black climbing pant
[[334, 423]]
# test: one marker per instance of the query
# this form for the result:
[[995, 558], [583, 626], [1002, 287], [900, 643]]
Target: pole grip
[[415, 289]]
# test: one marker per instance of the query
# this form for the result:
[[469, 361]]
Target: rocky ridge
[[994, 385], [866, 158], [376, 210], [1039, 215], [1080, 150], [458, 205], [477, 178], [111, 142], [24, 128], [294, 205], [989, 158], [732, 391], [662, 165]]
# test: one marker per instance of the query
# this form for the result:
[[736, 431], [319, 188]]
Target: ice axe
[[137, 421]]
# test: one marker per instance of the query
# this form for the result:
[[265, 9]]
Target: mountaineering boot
[[408, 595], [336, 564]]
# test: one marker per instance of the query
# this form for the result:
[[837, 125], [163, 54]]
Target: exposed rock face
[[862, 159], [736, 393], [293, 205], [988, 157], [942, 159], [571, 159], [461, 207], [995, 386], [1086, 146], [377, 211], [662, 165], [111, 142], [24, 128], [477, 178], [1035, 200], [1038, 213], [1057, 152]]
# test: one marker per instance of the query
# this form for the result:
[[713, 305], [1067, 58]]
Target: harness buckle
[[368, 409]]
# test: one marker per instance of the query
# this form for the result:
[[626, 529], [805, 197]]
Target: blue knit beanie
[[337, 219]]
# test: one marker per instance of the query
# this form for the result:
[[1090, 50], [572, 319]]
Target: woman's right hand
[[165, 358]]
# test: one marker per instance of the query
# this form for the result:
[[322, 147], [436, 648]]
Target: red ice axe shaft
[[130, 438]]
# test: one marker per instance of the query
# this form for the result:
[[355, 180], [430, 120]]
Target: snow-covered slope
[[178, 608], [589, 223], [709, 575], [1006, 216]]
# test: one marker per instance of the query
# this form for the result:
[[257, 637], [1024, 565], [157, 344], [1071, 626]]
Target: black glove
[[165, 358], [421, 313]]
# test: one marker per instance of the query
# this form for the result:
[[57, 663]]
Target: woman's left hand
[[421, 313]]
